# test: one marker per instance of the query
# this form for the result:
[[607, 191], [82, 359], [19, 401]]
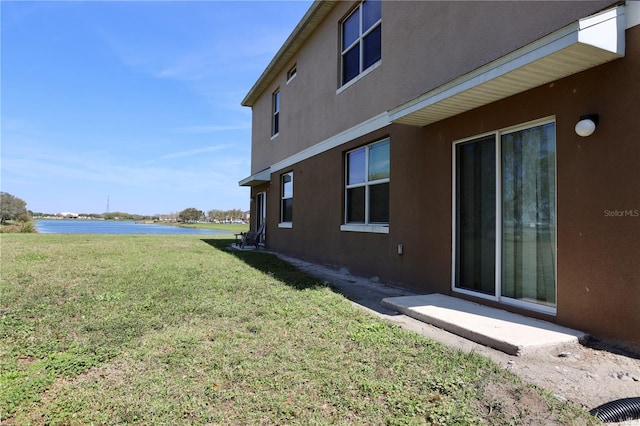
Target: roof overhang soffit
[[582, 45], [259, 178]]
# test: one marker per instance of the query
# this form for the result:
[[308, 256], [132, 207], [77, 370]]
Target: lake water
[[114, 227]]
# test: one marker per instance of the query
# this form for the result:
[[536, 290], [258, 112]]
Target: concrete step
[[511, 333]]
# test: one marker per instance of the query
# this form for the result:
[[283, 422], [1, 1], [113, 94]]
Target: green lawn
[[163, 329]]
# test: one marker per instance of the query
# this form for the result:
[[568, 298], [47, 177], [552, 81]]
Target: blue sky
[[135, 101]]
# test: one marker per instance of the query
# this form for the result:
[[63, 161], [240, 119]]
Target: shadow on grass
[[366, 296], [370, 298], [270, 264]]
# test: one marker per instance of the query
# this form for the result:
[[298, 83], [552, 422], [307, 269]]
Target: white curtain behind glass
[[528, 214]]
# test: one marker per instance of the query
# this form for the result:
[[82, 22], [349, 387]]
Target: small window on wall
[[367, 185], [286, 204], [293, 71], [275, 124]]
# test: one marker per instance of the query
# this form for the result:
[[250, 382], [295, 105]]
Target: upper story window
[[361, 39], [275, 122], [293, 71], [367, 184], [286, 206]]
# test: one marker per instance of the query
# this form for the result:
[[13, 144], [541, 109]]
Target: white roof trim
[[582, 45], [632, 13], [310, 21], [257, 178], [361, 129], [354, 132]]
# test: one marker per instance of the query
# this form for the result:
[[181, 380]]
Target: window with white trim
[[367, 184], [275, 121], [293, 71], [361, 39], [286, 201]]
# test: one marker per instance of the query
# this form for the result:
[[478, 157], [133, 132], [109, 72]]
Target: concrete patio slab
[[511, 333]]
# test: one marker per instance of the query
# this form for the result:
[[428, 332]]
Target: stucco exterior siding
[[424, 44], [598, 280], [427, 44]]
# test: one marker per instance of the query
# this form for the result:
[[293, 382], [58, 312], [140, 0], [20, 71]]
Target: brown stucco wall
[[598, 275], [598, 272], [600, 174]]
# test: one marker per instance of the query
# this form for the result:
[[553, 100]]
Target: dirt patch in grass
[[506, 404]]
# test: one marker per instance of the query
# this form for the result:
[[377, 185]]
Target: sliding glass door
[[261, 209], [529, 215], [476, 215], [505, 220]]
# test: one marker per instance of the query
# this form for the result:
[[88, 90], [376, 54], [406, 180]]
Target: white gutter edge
[[263, 176], [599, 30], [354, 132]]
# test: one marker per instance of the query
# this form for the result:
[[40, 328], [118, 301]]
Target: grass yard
[[117, 329]]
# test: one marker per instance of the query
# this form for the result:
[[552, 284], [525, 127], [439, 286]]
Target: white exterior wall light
[[587, 125]]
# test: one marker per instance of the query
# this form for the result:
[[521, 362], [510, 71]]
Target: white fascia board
[[604, 32], [354, 132], [262, 176]]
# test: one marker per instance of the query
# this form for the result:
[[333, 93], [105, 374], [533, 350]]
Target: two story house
[[485, 150]]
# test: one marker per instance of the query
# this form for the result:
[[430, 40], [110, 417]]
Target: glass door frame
[[261, 213], [497, 296]]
